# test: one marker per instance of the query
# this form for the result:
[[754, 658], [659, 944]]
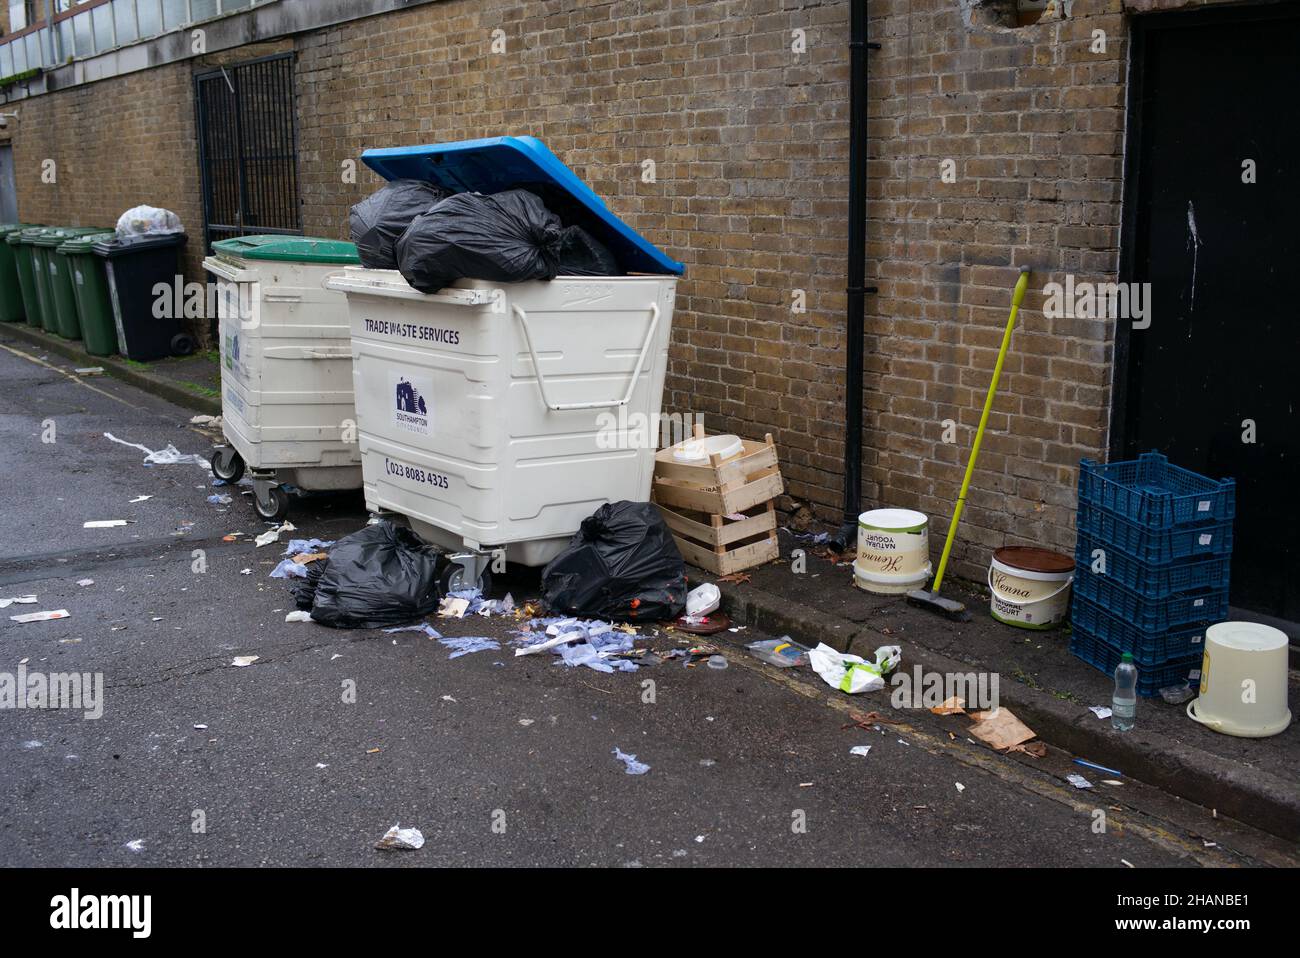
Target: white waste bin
[[497, 417], [286, 368]]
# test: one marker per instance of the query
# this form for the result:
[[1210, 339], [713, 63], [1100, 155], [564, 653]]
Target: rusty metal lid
[[1034, 559]]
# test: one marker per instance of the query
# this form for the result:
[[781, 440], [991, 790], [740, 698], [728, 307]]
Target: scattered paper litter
[[401, 839], [20, 599], [464, 645], [135, 845], [201, 728], [1111, 781], [424, 627], [960, 787], [167, 456], [245, 571], [244, 660], [85, 582], [139, 499], [204, 420], [953, 705], [1078, 781], [452, 608], [298, 615], [1100, 711], [525, 722], [89, 370], [219, 500], [999, 728], [40, 616], [270, 535], [860, 750], [103, 523], [633, 766]]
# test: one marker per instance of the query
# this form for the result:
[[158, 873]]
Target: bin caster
[[270, 501], [466, 571], [227, 464]]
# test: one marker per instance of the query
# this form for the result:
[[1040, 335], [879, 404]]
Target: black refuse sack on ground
[[622, 565], [581, 254], [382, 575], [377, 221], [506, 237]]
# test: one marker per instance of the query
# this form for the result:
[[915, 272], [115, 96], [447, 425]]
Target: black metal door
[[1214, 382], [248, 148]]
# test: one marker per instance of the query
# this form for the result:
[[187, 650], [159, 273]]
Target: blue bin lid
[[522, 162]]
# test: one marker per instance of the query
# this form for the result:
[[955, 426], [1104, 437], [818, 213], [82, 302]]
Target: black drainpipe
[[857, 272]]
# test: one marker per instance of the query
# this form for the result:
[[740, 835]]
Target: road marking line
[[63, 372]]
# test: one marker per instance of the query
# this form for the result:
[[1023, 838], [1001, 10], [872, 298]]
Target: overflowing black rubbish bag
[[622, 565], [377, 221], [581, 254], [382, 575], [507, 237]]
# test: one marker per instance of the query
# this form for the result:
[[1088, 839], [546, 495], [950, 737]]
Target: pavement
[[498, 760]]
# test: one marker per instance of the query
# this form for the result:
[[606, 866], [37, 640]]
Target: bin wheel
[[275, 507], [182, 344], [453, 580], [227, 465]]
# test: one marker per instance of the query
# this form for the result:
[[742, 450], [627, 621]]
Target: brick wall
[[749, 141], [115, 144], [750, 146]]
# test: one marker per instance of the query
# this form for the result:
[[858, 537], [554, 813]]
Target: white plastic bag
[[852, 673], [147, 220]]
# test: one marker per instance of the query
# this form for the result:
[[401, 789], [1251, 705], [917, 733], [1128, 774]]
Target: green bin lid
[[56, 235], [297, 249], [7, 228], [26, 236], [83, 243]]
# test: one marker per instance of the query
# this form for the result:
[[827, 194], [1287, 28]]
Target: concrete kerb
[[116, 367], [1249, 795]]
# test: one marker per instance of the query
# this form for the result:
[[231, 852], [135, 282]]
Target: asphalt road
[[497, 760]]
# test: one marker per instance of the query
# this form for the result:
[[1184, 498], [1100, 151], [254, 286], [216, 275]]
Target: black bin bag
[[377, 221], [581, 254], [507, 237], [382, 575], [622, 565]]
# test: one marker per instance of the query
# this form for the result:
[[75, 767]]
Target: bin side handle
[[599, 404]]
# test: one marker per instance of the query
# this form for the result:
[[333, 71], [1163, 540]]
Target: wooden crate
[[698, 501], [717, 487], [721, 545]]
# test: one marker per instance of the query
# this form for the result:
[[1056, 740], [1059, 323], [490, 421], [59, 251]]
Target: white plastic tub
[[893, 551], [286, 367], [485, 411]]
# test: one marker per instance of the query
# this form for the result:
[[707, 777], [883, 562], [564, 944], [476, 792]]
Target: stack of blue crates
[[1160, 541]]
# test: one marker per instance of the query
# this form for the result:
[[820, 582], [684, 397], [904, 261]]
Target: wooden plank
[[750, 494], [735, 560]]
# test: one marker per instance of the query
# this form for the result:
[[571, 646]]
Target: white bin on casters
[[286, 368], [496, 416]]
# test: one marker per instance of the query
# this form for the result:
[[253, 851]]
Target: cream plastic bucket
[[1243, 680], [893, 551], [1030, 588]]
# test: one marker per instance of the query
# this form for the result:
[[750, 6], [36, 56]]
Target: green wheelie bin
[[62, 318], [33, 291], [90, 290], [12, 309]]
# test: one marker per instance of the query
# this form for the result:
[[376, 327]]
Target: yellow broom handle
[[1021, 285]]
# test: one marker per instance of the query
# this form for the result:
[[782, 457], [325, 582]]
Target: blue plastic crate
[[1154, 545], [1151, 679], [1155, 581], [1148, 614], [1148, 647], [1155, 494]]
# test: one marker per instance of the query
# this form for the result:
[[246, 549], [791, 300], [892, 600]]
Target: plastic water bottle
[[1123, 704]]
